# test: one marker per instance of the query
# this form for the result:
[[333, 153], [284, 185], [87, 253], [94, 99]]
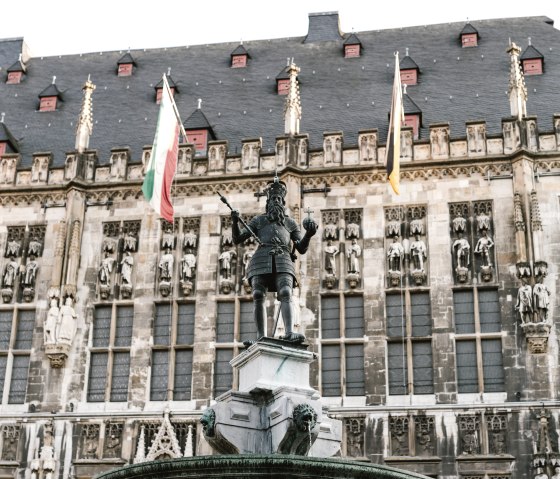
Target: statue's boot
[[287, 310]]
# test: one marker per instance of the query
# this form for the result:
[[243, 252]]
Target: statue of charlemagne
[[272, 266]]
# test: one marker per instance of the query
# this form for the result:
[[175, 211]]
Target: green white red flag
[[163, 160], [396, 119]]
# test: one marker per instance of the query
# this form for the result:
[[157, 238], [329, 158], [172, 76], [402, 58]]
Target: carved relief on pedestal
[[281, 152], [407, 146], [355, 437], [8, 166], [40, 169], [439, 141], [353, 247], [59, 329], [469, 432], [10, 442], [88, 447], [44, 464], [187, 267], [476, 139], [399, 430], [112, 444], [532, 135], [367, 142], [89, 166], [302, 147], [424, 436], [227, 259], [250, 154], [496, 425], [332, 149], [70, 167], [184, 160]]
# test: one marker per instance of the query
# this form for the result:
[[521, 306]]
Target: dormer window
[[412, 114], [49, 97], [3, 146], [352, 46], [125, 65], [414, 122], [15, 72], [239, 57], [8, 144], [283, 86], [469, 36], [199, 131], [409, 70], [172, 87], [532, 61]]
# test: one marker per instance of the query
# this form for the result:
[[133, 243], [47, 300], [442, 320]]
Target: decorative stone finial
[[292, 108], [516, 89], [199, 103], [84, 127]]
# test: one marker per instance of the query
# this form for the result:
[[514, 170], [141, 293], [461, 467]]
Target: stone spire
[[165, 443], [292, 108], [516, 89], [85, 120]]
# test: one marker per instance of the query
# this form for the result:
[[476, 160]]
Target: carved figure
[[352, 230], [330, 257], [541, 474], [129, 242], [67, 322], [126, 268], [395, 254], [13, 248], [225, 263], [167, 241], [525, 303], [208, 419], [272, 266], [30, 272], [106, 269], [10, 273], [247, 259], [353, 253], [462, 248], [34, 247], [483, 246], [51, 322], [556, 473], [188, 263], [189, 240], [541, 300], [166, 266], [418, 251]]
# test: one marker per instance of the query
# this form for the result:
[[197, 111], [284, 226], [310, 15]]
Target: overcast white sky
[[59, 27]]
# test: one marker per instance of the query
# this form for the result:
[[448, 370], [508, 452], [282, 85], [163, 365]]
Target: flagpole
[[174, 105]]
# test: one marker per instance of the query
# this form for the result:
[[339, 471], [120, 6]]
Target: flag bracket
[[325, 190]]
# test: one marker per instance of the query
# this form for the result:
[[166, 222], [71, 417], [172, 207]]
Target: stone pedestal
[[274, 410], [57, 354]]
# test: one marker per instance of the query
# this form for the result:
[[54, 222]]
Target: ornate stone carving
[[131, 230], [368, 147], [439, 141], [469, 430], [40, 169], [496, 424], [353, 253], [330, 252], [395, 255], [10, 441], [8, 170], [113, 439], [331, 220], [476, 139], [185, 158], [127, 265], [89, 441], [532, 135], [250, 154], [208, 421], [59, 331], [9, 279], [425, 440], [419, 253], [332, 149], [187, 269], [407, 147], [355, 437], [518, 216], [512, 139], [398, 427], [301, 432], [302, 147], [353, 219], [216, 157], [119, 162]]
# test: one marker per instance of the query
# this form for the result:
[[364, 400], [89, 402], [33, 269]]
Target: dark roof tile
[[468, 29], [240, 50], [408, 63], [126, 59], [530, 53], [352, 39], [6, 135], [198, 121], [51, 90]]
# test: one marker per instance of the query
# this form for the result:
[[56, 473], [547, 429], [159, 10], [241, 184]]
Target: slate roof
[[198, 121], [16, 67], [126, 59], [352, 39], [337, 94], [467, 29], [408, 63], [240, 50], [51, 90], [410, 107], [6, 135]]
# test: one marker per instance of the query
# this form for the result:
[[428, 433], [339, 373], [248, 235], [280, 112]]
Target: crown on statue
[[276, 188]]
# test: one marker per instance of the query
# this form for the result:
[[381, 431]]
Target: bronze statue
[[272, 266]]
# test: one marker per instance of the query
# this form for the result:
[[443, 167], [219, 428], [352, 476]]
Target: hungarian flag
[[163, 160], [396, 119]]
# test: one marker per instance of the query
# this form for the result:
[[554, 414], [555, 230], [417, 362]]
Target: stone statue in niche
[[29, 278], [247, 256], [367, 148], [104, 275], [483, 246], [352, 255], [188, 265], [165, 272], [9, 278], [532, 140], [127, 264], [406, 144], [418, 252], [462, 248], [395, 254], [35, 246], [226, 259], [525, 302], [354, 437], [556, 472], [331, 251], [66, 322], [438, 139], [51, 321], [475, 138], [541, 474], [541, 300]]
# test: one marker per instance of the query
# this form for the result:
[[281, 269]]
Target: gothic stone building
[[433, 314]]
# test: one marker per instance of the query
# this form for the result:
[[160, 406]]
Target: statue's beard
[[275, 213]]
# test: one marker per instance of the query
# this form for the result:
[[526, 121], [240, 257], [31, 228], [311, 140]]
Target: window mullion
[[171, 351], [408, 346], [479, 365]]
